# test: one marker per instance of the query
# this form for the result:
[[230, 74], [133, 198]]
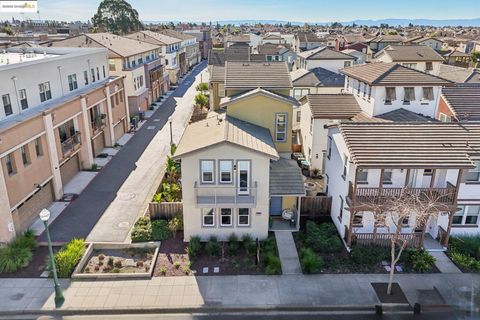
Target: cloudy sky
[[290, 10]]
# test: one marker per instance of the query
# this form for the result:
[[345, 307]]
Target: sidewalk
[[227, 292]]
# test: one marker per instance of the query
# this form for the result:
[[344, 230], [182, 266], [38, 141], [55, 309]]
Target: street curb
[[206, 309]]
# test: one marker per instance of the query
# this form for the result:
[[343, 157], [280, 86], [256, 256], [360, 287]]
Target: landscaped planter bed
[[117, 261], [36, 267], [465, 253]]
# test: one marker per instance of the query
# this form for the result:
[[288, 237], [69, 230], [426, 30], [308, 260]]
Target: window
[[104, 72], [116, 98], [358, 219], [98, 74], [340, 215], [25, 155], [347, 64], [243, 217], [111, 65], [409, 95], [468, 215], [85, 77], [428, 172], [45, 93], [444, 118], [329, 147], [387, 176], [390, 95], [206, 167], [208, 217], [281, 127], [428, 66], [72, 82], [226, 169], [225, 217], [410, 65], [369, 92], [427, 93], [92, 71], [10, 164], [362, 176], [7, 104], [22, 94], [38, 147], [299, 115], [473, 175], [345, 163]]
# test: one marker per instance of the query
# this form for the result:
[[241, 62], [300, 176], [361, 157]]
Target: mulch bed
[[397, 295], [142, 260], [174, 249], [36, 267]]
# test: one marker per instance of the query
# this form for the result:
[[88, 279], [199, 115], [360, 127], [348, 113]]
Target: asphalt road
[[79, 218]]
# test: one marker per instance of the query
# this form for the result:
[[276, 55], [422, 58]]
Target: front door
[[276, 206], [243, 177]]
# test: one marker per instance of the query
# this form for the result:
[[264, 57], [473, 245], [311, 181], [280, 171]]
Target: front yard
[[464, 251], [320, 250]]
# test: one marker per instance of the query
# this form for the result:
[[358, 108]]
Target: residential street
[[327, 292], [119, 193]]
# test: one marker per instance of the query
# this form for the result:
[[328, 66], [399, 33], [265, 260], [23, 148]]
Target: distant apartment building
[[204, 40], [134, 59], [59, 108], [189, 46], [307, 41]]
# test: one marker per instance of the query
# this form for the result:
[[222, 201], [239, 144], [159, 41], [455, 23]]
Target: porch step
[[288, 253]]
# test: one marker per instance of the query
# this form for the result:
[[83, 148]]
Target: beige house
[[44, 144]]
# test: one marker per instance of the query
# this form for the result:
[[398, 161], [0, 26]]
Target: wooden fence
[[383, 239], [164, 210], [314, 207]]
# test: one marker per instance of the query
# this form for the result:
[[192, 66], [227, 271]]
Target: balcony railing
[[228, 196], [71, 144], [98, 123], [369, 195]]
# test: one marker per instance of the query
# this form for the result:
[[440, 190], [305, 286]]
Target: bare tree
[[402, 215]]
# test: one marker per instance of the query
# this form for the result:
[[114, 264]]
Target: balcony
[[365, 196], [98, 123], [71, 144], [207, 196]]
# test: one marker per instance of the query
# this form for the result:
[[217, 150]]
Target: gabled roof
[[285, 178], [354, 37], [272, 48], [318, 77], [384, 74], [325, 53], [464, 101], [215, 130], [177, 34], [332, 106], [258, 92], [153, 37], [403, 115], [217, 74], [412, 145], [387, 38], [402, 53], [459, 74], [238, 38], [251, 75], [308, 37], [458, 54], [272, 36]]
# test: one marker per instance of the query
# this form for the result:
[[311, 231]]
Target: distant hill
[[391, 21]]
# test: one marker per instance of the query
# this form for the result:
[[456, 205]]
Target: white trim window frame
[[225, 168], [473, 175], [281, 121], [467, 216], [226, 214], [243, 217], [207, 171], [208, 217]]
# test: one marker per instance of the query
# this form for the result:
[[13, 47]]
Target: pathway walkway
[[287, 252], [342, 291], [443, 263], [82, 215]]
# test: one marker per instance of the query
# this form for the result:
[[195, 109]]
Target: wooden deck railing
[[383, 239]]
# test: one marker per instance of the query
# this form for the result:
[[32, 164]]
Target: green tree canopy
[[116, 16]]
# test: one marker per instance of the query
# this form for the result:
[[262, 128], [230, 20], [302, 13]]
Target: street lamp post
[[44, 216], [170, 120]]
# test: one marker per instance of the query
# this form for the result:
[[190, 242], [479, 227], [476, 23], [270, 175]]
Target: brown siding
[[69, 169], [98, 144]]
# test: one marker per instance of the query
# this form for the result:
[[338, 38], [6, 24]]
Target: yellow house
[[265, 109]]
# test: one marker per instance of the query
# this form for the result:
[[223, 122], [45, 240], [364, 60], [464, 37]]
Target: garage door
[[27, 213], [98, 144], [69, 169], [119, 130]]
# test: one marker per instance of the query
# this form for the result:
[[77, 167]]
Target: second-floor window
[[362, 176], [473, 175], [427, 93], [299, 116], [25, 155], [428, 66], [390, 95], [22, 95], [93, 74], [225, 171], [329, 147], [7, 104], [45, 93], [85, 77], [345, 166], [111, 65], [409, 95], [38, 147], [10, 164], [207, 173], [387, 176], [72, 82], [281, 127], [444, 118]]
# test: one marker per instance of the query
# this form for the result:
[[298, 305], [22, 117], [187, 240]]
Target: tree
[[476, 58], [409, 207], [201, 100], [116, 16], [202, 87]]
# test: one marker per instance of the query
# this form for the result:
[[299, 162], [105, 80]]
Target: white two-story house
[[324, 57]]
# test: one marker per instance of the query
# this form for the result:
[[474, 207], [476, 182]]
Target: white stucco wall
[[331, 65]]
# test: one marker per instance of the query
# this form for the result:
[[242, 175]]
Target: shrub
[[468, 245], [118, 264], [115, 270], [176, 264], [421, 260], [249, 245], [13, 258], [160, 230], [368, 255], [465, 262], [110, 261], [139, 264], [272, 264], [323, 238], [202, 86], [194, 247], [201, 100], [142, 230], [101, 257], [212, 246], [175, 224], [310, 262], [26, 240], [186, 270], [233, 245], [69, 256], [163, 271]]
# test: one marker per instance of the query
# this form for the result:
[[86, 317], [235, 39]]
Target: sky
[[288, 10]]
